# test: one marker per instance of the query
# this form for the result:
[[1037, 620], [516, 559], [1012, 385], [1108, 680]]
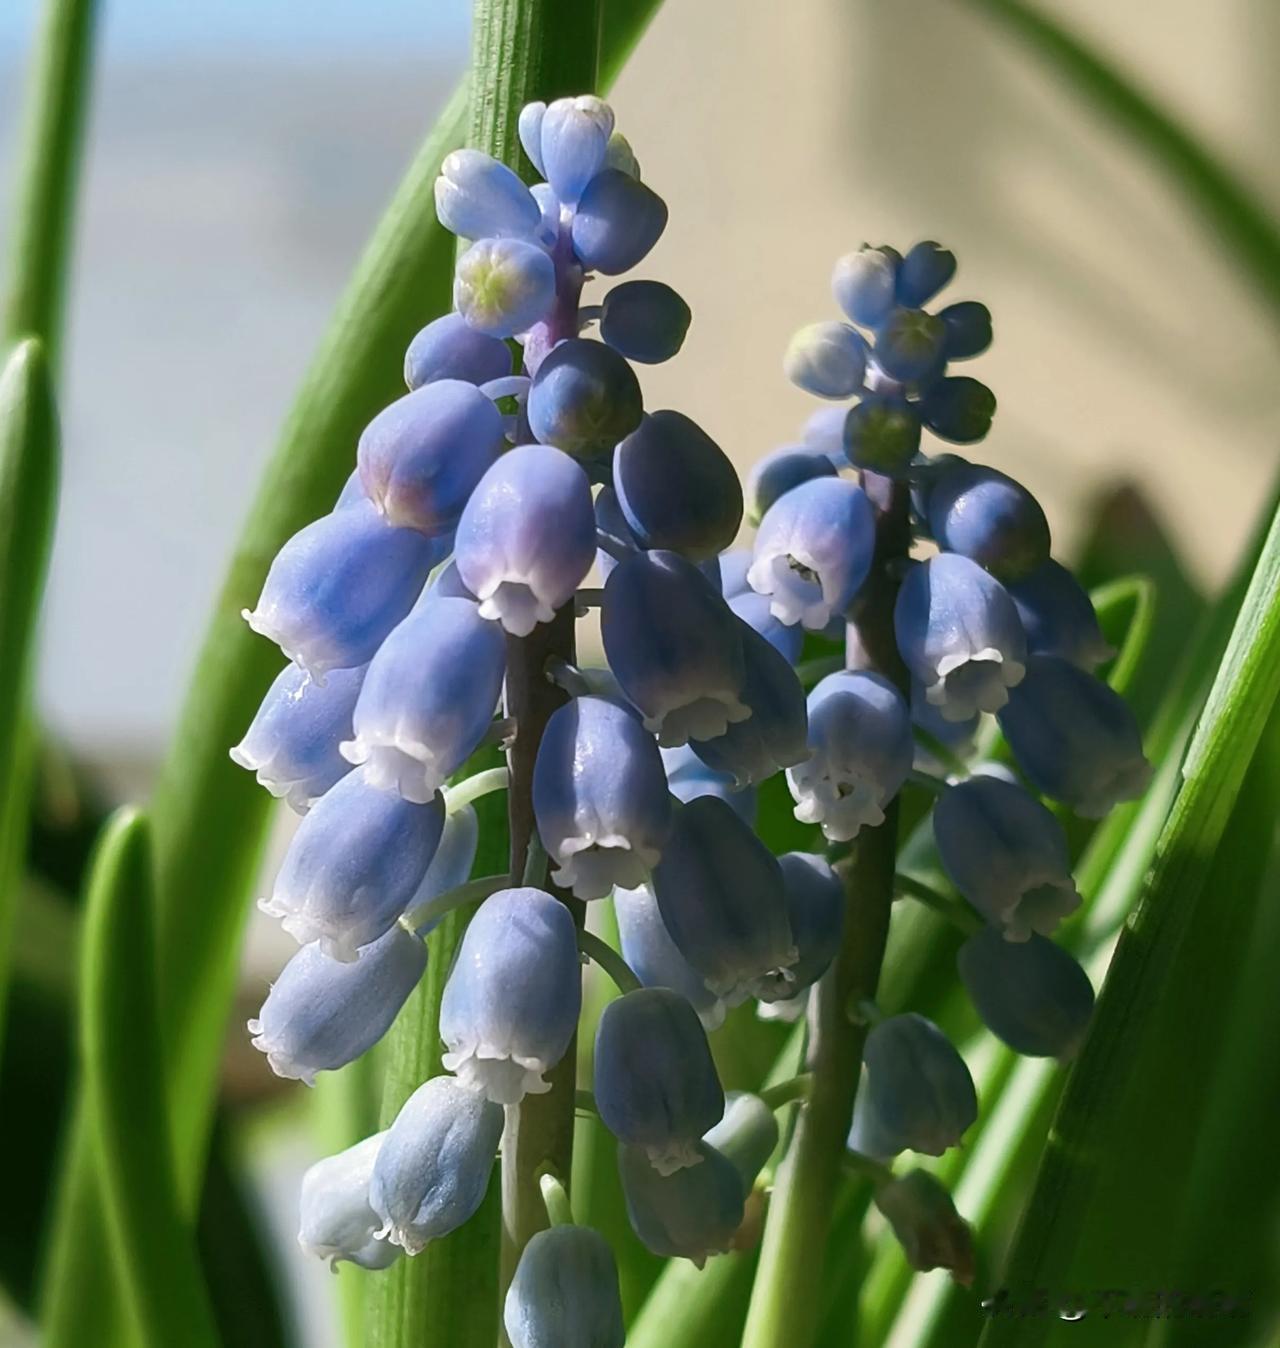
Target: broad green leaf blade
[[1234, 218], [29, 454], [53, 131], [152, 1246], [1104, 1206]]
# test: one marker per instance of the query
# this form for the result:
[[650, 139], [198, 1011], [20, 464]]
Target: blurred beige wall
[[1127, 344]]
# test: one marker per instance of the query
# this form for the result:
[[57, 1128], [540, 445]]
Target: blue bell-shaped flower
[[335, 1219], [1058, 617], [479, 198], [652, 956], [815, 908], [565, 1293], [450, 348], [917, 1085], [691, 1214]]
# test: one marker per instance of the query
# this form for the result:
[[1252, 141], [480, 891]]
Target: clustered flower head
[[480, 502]]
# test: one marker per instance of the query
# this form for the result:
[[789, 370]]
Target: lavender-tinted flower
[[450, 348], [428, 698], [292, 743], [928, 1227], [451, 865], [960, 636], [1006, 854], [600, 797], [815, 909], [924, 270], [756, 611], [863, 285], [573, 139], [917, 1085], [644, 321], [988, 517], [676, 488], [674, 647], [617, 222], [734, 565], [721, 895], [433, 1168], [335, 1219], [529, 128], [1058, 617], [420, 458], [527, 537], [813, 551], [824, 433], [774, 736], [862, 749], [479, 198], [827, 360], [689, 1215], [338, 586], [1075, 738], [1031, 994], [502, 287], [511, 1004], [777, 473], [565, 1293], [652, 956], [654, 1082], [322, 1013], [584, 398], [353, 866]]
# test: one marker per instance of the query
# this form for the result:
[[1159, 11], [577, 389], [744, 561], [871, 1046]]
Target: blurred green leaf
[[1106, 1200], [1235, 219], [29, 454], [48, 179], [151, 1244]]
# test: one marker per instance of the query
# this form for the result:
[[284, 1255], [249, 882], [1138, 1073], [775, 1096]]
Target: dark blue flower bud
[[449, 348], [645, 321], [573, 140], [815, 908], [353, 866], [511, 1004], [968, 326], [600, 797], [676, 487], [863, 285], [862, 748], [958, 409], [420, 458], [322, 1013], [775, 735], [479, 198], [292, 744], [721, 895], [654, 1082], [433, 1168], [909, 345], [584, 398], [1075, 738], [882, 433], [339, 586], [813, 551], [335, 1219], [1058, 617], [1006, 854], [689, 1215], [527, 537], [776, 474], [827, 360], [428, 698], [652, 956], [925, 269], [988, 517], [674, 647], [1031, 994], [959, 634], [917, 1084], [617, 222], [565, 1293]]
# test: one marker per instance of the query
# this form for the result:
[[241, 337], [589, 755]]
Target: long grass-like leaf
[[53, 130], [28, 501], [152, 1245]]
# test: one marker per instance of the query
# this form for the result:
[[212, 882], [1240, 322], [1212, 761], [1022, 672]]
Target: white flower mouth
[[315, 656], [278, 1059], [291, 790], [591, 867], [972, 681], [793, 583], [673, 1155], [777, 984], [504, 1078], [842, 802], [337, 943], [399, 763], [515, 603], [704, 718], [1039, 908], [1126, 782]]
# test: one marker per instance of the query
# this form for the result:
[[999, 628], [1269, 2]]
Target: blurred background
[[240, 153]]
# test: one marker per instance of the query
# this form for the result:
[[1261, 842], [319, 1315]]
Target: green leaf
[[29, 454], [1234, 218], [1105, 1203], [48, 179], [152, 1246]]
